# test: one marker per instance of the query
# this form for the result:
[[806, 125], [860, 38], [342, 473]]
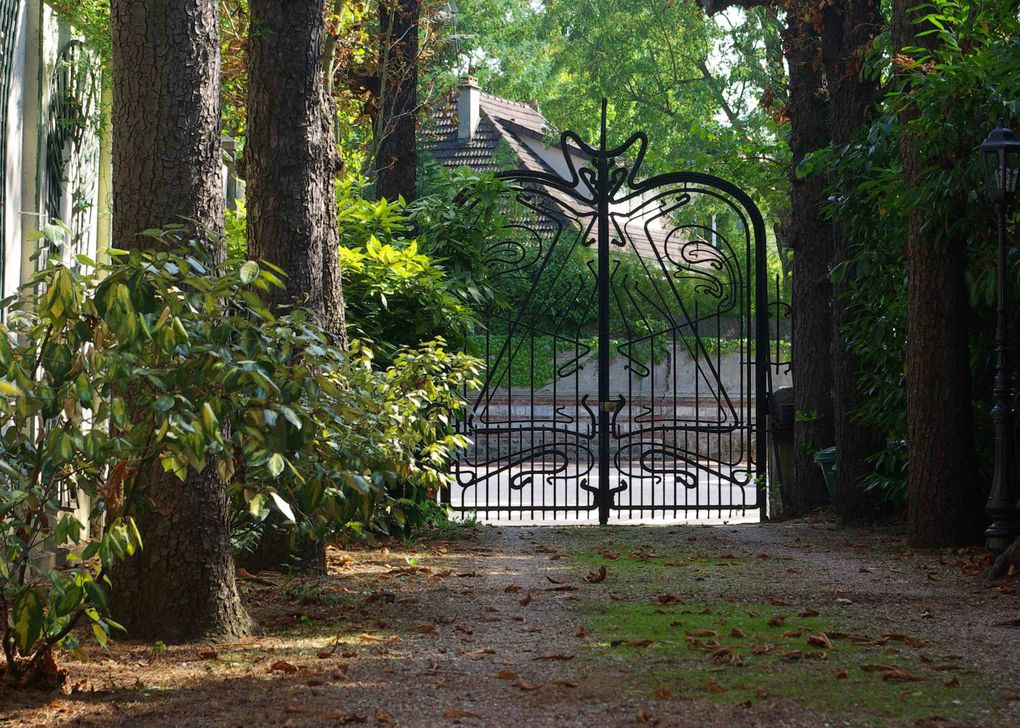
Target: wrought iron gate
[[626, 367]]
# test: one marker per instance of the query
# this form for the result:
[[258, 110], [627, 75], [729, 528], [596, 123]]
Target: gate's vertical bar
[[602, 195], [761, 360]]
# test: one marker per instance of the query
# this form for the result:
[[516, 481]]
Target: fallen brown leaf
[[663, 693], [777, 620], [900, 675], [524, 685], [702, 633], [506, 675], [345, 718], [513, 588], [283, 666], [454, 714], [555, 658], [875, 668], [525, 600], [594, 577], [820, 640]]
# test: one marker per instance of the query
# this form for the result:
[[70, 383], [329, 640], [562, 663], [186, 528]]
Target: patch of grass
[[635, 564], [734, 652]]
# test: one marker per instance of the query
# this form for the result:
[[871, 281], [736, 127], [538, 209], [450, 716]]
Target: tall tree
[[290, 168], [848, 30], [397, 123], [290, 156], [810, 237], [944, 507], [166, 169]]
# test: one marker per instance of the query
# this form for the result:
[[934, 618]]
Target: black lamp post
[[1000, 156]]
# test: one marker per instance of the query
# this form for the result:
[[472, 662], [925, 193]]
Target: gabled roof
[[511, 123], [501, 120]]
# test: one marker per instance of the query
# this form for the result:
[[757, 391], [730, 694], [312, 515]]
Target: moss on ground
[[733, 652]]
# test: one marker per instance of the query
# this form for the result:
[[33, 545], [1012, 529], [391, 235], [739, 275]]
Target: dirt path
[[779, 625]]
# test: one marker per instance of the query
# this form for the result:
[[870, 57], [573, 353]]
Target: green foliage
[[403, 280], [397, 297], [708, 91], [957, 93], [458, 221], [89, 18], [170, 361], [57, 448]]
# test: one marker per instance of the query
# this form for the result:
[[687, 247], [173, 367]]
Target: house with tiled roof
[[486, 133]]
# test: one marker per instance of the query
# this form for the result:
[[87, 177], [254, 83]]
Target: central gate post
[[604, 497]]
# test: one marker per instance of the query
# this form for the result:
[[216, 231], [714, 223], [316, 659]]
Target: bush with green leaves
[[397, 297], [168, 359]]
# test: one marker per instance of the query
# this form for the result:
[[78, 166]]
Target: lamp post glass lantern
[[1000, 158]]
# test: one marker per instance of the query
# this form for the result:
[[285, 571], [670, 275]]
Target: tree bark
[[290, 162], [290, 158], [396, 127], [166, 169], [848, 29], [944, 507], [810, 237]]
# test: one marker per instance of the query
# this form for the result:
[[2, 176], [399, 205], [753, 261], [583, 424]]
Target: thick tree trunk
[[944, 507], [397, 156], [166, 169], [289, 155], [809, 234], [810, 237], [848, 30], [292, 217]]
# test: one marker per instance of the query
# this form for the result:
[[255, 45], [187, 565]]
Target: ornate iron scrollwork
[[640, 295]]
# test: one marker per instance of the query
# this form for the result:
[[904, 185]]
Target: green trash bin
[[826, 460]]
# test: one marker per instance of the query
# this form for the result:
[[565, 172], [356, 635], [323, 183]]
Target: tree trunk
[[848, 30], [292, 217], [396, 153], [810, 237], [289, 156], [166, 169], [944, 507]]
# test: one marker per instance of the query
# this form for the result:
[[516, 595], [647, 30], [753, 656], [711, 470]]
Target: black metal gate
[[627, 368]]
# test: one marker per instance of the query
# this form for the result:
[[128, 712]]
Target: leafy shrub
[[395, 296], [170, 360]]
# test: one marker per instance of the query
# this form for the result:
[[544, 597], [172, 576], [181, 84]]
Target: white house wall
[[556, 159], [13, 155]]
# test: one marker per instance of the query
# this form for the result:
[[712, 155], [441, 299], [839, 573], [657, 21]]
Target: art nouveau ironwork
[[622, 378]]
